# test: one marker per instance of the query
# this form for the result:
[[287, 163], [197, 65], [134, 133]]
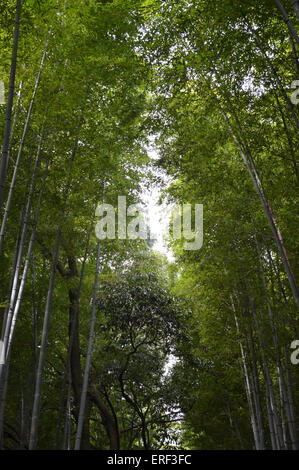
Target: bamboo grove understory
[[110, 343]]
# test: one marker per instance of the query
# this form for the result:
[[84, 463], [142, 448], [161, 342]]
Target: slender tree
[[10, 98]]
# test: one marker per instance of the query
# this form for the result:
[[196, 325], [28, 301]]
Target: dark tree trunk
[[7, 127]]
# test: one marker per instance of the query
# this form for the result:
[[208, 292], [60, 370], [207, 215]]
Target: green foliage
[[171, 339]]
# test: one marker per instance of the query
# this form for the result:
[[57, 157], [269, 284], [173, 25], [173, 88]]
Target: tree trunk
[[107, 417], [90, 344], [6, 139], [250, 165], [27, 264], [48, 309], [285, 404], [247, 386], [74, 296], [15, 298], [287, 20], [14, 177], [42, 356], [14, 123]]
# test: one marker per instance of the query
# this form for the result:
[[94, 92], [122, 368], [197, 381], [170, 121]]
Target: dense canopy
[[109, 343]]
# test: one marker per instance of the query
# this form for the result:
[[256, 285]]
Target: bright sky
[[158, 215], [159, 218]]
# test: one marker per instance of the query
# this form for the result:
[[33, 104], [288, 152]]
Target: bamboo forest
[[149, 225]]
